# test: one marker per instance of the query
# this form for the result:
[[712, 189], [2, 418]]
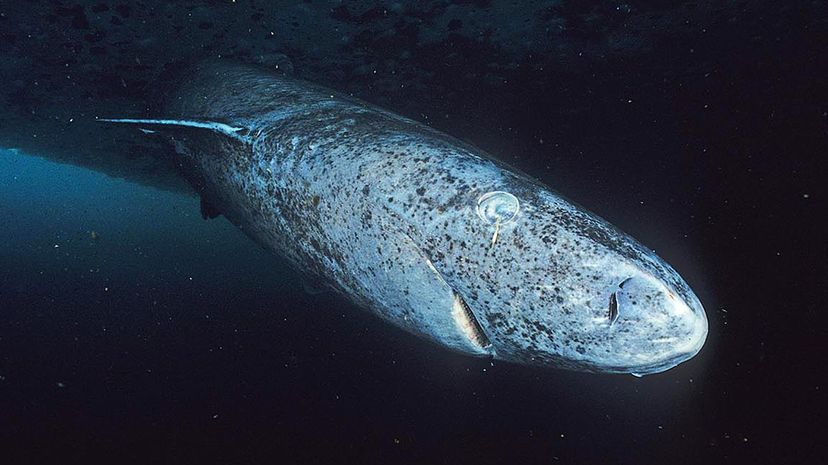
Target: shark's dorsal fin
[[236, 132]]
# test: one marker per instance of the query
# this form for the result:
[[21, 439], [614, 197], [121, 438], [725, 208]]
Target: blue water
[[52, 210]]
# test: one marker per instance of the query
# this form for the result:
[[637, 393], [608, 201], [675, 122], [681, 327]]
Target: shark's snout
[[654, 327]]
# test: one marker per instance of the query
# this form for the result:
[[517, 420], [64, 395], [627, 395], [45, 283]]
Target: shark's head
[[541, 281]]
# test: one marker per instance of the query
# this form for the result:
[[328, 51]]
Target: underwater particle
[[93, 235], [276, 61], [61, 384]]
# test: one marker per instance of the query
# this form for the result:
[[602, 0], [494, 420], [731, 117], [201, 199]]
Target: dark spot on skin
[[420, 190], [315, 200]]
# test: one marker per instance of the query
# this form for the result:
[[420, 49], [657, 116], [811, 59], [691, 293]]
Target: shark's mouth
[[468, 323]]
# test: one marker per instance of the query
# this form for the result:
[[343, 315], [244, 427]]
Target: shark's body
[[425, 231]]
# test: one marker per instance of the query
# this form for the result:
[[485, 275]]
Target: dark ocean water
[[134, 331]]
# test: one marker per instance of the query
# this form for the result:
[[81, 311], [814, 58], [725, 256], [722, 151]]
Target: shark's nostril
[[645, 299], [612, 310], [612, 313]]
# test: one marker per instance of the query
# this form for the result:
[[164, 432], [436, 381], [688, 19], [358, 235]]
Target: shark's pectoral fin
[[415, 293], [150, 126]]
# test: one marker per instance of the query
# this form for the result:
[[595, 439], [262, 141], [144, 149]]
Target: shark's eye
[[497, 207]]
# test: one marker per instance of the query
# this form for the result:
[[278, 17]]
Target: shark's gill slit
[[468, 323]]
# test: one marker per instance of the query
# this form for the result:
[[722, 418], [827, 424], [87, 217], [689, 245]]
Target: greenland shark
[[427, 232]]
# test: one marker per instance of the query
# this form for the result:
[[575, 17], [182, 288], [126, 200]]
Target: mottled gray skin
[[383, 209]]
